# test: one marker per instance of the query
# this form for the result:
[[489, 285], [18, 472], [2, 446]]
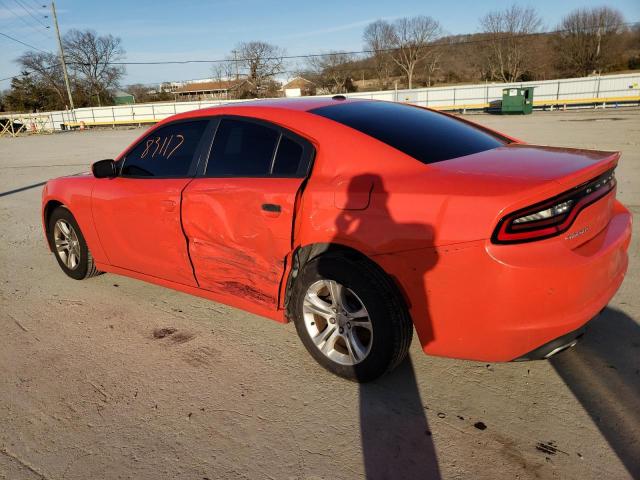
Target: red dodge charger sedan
[[358, 220]]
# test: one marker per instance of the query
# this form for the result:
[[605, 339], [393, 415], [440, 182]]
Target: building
[[298, 86], [212, 90]]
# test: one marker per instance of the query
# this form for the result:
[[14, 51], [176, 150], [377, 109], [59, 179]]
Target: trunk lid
[[535, 164], [516, 176]]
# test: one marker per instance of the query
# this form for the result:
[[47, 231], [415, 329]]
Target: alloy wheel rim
[[337, 322], [67, 244]]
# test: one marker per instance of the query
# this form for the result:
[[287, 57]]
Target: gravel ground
[[87, 390]]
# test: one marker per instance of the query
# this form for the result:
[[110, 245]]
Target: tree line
[[511, 46], [415, 52], [92, 73], [406, 53]]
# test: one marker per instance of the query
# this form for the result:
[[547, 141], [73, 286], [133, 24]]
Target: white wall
[[456, 97]]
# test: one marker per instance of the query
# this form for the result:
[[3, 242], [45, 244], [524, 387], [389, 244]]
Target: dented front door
[[239, 233]]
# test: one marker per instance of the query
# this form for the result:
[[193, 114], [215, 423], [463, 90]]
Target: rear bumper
[[555, 346], [489, 302]]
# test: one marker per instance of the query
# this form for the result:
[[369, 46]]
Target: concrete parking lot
[[87, 391]]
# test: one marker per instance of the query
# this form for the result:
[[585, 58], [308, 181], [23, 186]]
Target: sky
[[190, 29]]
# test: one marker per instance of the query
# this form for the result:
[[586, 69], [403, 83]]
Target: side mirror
[[104, 169]]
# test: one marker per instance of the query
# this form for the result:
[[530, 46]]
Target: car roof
[[299, 104]]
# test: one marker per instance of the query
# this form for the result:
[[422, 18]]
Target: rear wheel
[[350, 318], [69, 245]]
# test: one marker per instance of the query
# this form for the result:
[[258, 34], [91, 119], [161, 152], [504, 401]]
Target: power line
[[19, 3], [236, 60], [21, 18], [357, 52], [27, 73], [23, 43], [24, 21]]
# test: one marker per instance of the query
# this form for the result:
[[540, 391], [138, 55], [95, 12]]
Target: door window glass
[[242, 149], [289, 158], [166, 152]]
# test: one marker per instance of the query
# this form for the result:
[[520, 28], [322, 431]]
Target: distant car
[[357, 220]]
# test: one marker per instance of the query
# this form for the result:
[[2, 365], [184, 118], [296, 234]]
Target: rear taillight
[[553, 216]]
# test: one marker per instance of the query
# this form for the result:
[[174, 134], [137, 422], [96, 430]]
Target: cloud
[[337, 28]]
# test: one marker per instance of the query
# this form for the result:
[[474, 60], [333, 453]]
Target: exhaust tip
[[561, 348], [554, 347]]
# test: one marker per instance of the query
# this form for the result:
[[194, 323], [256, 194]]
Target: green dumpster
[[517, 100], [123, 98]]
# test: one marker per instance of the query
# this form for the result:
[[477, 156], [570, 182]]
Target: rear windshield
[[425, 135]]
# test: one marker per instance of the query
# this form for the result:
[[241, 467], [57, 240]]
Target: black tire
[[86, 266], [390, 320]]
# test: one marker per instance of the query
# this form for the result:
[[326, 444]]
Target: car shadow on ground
[[603, 372], [21, 189], [395, 434]]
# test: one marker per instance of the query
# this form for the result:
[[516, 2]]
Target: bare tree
[[411, 41], [91, 58], [587, 40], [506, 43], [332, 71], [223, 70], [377, 39], [262, 61], [432, 64], [44, 68]]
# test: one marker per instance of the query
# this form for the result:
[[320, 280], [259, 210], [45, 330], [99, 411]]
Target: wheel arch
[[47, 210], [305, 253]]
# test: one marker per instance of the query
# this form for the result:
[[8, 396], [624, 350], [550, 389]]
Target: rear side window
[[166, 152], [426, 136], [242, 149], [288, 159], [249, 149]]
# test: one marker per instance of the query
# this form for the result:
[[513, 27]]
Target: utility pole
[[599, 36], [62, 61], [235, 61]]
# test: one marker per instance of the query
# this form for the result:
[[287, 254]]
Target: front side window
[[166, 152]]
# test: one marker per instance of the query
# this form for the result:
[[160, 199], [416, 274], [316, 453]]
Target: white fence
[[610, 89]]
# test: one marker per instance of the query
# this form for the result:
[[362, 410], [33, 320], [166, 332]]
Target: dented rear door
[[238, 214]]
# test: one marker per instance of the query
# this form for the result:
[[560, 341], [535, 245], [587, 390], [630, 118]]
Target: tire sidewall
[[350, 274], [81, 271]]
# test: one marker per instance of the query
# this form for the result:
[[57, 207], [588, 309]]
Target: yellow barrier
[[545, 103], [464, 106], [110, 123], [579, 101]]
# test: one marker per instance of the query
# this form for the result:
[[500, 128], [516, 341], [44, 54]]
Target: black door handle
[[271, 207]]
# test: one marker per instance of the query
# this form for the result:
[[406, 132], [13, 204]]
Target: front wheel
[[350, 317], [69, 246]]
